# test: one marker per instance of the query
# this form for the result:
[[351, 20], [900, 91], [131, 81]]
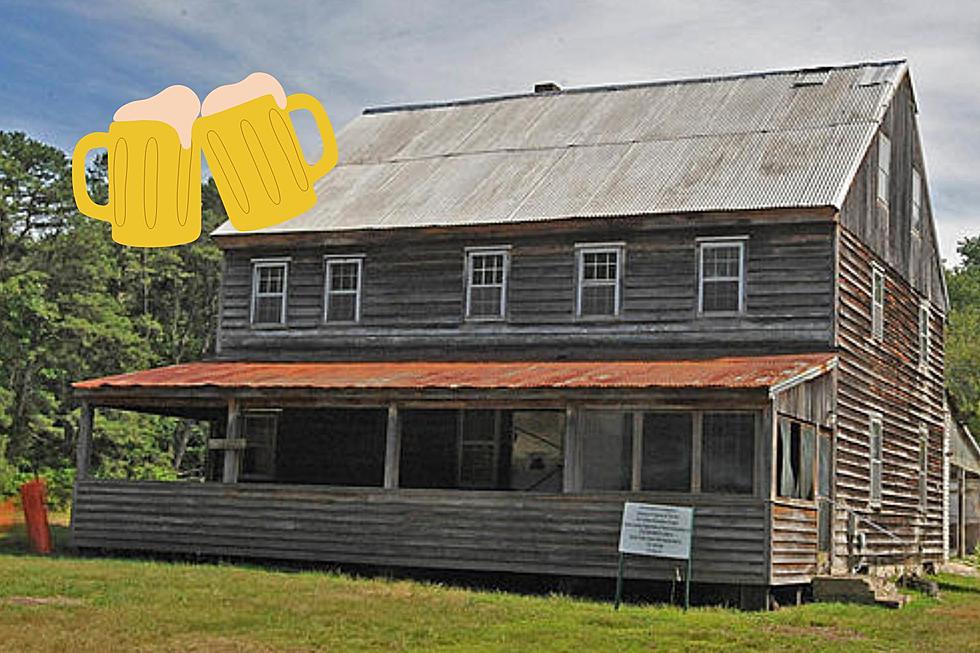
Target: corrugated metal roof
[[732, 372], [720, 144]]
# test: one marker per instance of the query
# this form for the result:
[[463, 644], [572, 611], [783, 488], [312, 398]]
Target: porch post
[[571, 476], [393, 448], [233, 432], [961, 516], [83, 449], [636, 474]]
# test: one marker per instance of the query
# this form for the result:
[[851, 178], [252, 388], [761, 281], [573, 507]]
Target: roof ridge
[[600, 88]]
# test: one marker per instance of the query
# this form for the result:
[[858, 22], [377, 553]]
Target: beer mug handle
[[329, 157], [84, 201]]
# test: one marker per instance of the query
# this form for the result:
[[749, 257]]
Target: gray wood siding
[[413, 295], [885, 377], [793, 542], [887, 231], [486, 531]]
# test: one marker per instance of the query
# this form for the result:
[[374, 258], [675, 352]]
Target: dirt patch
[[828, 633], [61, 601]]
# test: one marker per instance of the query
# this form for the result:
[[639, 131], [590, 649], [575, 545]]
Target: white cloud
[[353, 55]]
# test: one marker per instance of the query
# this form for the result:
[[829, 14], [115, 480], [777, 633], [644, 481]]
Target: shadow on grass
[[14, 541]]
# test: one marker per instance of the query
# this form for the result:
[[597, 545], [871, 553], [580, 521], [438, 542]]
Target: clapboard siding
[[887, 231], [885, 377], [413, 295], [486, 531], [793, 542]]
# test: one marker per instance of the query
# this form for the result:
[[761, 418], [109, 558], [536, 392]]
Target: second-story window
[[599, 280], [342, 293], [923, 334], [721, 273], [877, 303], [916, 202], [876, 437], [269, 284], [884, 167], [486, 283]]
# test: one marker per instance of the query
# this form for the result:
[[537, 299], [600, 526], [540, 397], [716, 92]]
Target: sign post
[[658, 531]]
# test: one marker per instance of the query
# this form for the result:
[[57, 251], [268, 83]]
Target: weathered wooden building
[[506, 316]]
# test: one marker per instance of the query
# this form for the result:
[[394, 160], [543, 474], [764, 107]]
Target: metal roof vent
[[546, 87], [816, 77]]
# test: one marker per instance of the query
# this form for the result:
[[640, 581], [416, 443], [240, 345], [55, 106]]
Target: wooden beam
[[393, 448], [233, 457], [83, 448]]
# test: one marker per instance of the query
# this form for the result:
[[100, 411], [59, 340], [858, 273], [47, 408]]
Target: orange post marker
[[36, 515]]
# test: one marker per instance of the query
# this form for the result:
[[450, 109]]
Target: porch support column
[[393, 448], [961, 516], [572, 476], [83, 449], [233, 432]]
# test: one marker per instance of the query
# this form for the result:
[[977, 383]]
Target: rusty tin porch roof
[[749, 372]]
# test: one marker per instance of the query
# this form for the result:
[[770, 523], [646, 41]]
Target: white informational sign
[[652, 530]]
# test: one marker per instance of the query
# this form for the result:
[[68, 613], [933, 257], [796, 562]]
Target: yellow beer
[[154, 184], [257, 162]]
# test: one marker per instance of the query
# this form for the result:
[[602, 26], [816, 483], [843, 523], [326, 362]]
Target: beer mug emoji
[[254, 155], [154, 171]]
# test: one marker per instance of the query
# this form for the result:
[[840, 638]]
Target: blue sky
[[66, 66]]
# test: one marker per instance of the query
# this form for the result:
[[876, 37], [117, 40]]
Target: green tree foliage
[[963, 334], [75, 305]]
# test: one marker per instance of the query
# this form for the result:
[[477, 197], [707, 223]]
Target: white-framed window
[[342, 288], [270, 281], [916, 202], [924, 334], [884, 167], [877, 303], [875, 436], [923, 466], [721, 276], [259, 429], [487, 269], [600, 272]]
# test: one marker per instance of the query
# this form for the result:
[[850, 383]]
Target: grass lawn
[[68, 604]]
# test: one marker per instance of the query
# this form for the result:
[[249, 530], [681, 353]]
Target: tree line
[[75, 305]]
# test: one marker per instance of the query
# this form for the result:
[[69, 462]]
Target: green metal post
[[619, 581]]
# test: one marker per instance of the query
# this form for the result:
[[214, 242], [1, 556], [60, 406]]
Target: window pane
[[787, 460], [268, 310], [599, 300], [343, 276], [485, 302], [259, 460], [478, 452], [808, 445], [606, 450], [488, 269], [719, 296], [270, 279], [537, 454], [721, 262], [884, 166], [599, 266], [728, 453], [667, 451], [342, 307]]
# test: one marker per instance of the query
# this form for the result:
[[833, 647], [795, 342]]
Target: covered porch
[[517, 467]]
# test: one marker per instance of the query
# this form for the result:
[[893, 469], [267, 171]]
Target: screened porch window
[[343, 290], [482, 449], [721, 276], [599, 280], [269, 283], [260, 429], [486, 287], [667, 450], [728, 453], [795, 459], [607, 448]]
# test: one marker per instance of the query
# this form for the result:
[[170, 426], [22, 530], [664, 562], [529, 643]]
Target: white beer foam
[[176, 105], [231, 95]]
